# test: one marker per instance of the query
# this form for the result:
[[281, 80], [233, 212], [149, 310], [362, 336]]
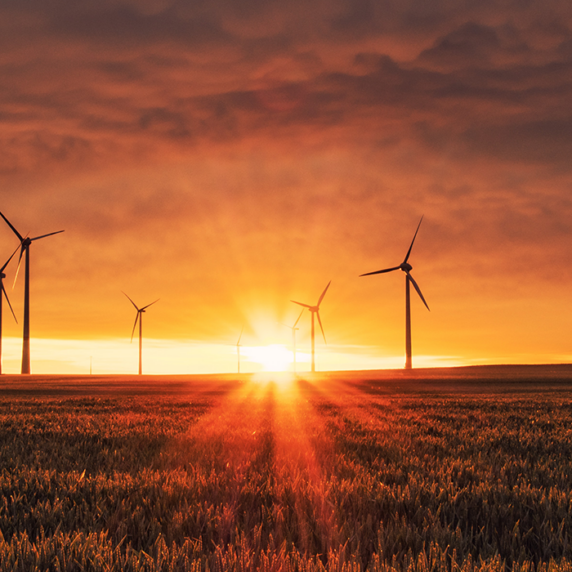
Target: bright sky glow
[[272, 358], [176, 357]]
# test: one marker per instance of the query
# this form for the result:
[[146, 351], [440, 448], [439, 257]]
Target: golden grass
[[465, 469]]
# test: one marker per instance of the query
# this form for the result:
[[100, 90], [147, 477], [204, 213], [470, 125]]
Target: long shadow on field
[[92, 435]]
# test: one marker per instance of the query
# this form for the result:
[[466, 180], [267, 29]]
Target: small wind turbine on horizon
[[406, 267], [139, 316], [25, 243], [315, 311], [294, 330], [2, 276], [238, 348]]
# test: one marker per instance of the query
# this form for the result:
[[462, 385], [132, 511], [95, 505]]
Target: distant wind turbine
[[25, 243], [406, 267], [294, 330], [2, 276], [238, 348], [139, 316], [315, 310]]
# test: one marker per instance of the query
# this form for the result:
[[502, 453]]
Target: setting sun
[[274, 357]]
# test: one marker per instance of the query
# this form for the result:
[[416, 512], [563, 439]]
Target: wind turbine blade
[[49, 234], [300, 304], [8, 300], [240, 337], [3, 267], [10, 225], [414, 236], [298, 319], [145, 307], [418, 290], [323, 294], [19, 264], [381, 271], [134, 304], [321, 327], [135, 324]]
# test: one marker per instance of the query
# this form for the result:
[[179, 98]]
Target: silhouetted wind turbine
[[25, 243], [294, 330], [139, 316], [315, 310], [238, 348], [2, 276], [406, 267]]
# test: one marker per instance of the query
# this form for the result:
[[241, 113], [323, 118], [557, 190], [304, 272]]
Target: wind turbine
[[294, 330], [139, 316], [238, 348], [25, 243], [2, 276], [406, 267], [315, 310]]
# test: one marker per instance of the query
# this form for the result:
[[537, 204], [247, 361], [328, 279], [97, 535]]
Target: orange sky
[[227, 157]]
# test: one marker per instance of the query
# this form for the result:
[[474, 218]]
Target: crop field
[[436, 470]]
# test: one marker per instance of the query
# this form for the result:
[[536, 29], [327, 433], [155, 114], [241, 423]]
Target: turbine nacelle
[[406, 267]]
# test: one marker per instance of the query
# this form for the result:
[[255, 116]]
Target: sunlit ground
[[282, 468], [190, 357]]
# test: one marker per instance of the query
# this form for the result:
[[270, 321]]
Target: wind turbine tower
[[139, 317], [25, 243], [2, 276], [238, 348], [406, 267], [315, 311], [294, 330]]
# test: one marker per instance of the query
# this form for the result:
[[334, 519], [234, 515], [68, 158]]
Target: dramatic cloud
[[227, 156]]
